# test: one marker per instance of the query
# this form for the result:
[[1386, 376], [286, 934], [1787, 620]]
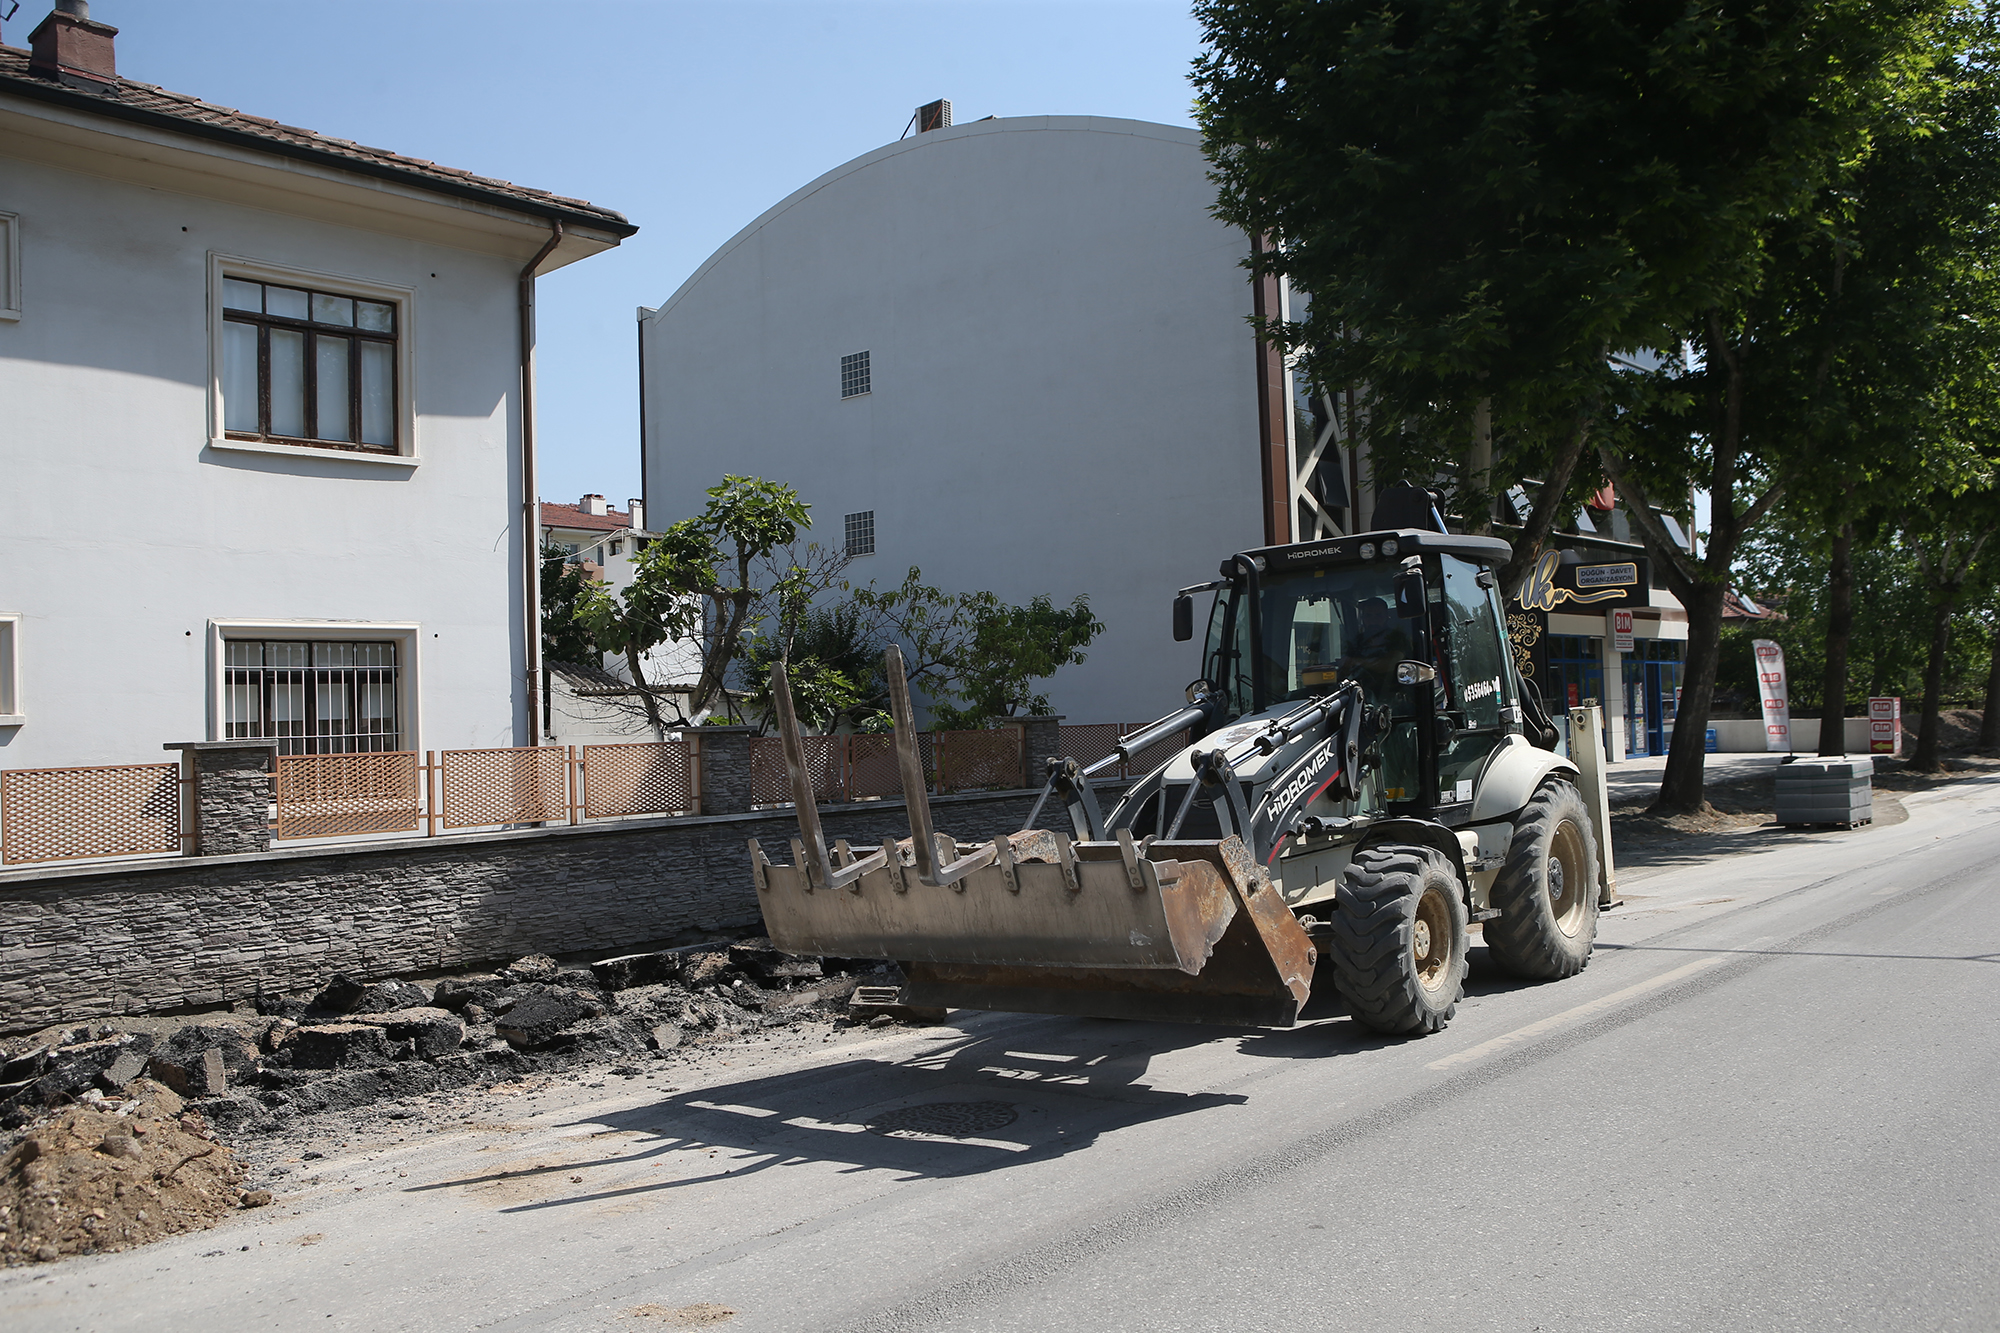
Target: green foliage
[[564, 638], [1785, 568], [711, 581], [1484, 199], [976, 656]]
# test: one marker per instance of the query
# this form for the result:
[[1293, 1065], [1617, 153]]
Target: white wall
[[122, 534], [1063, 380]]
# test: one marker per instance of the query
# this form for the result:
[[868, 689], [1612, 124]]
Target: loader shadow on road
[[973, 1103]]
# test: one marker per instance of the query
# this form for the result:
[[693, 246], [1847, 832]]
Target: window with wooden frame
[[312, 367]]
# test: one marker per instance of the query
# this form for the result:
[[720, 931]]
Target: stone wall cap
[[28, 877], [220, 745]]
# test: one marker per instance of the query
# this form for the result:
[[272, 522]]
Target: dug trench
[[117, 1132]]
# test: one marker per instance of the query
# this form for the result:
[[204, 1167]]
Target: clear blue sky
[[690, 119]]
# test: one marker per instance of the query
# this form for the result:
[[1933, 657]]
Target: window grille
[[308, 367], [312, 698], [854, 375], [861, 533]]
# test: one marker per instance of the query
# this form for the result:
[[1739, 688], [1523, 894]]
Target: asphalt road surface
[[1769, 1103]]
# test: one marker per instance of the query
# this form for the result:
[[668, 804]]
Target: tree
[[1485, 200], [710, 582], [973, 648], [564, 638], [1842, 337]]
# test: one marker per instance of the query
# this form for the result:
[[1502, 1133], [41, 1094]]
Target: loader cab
[[1294, 622]]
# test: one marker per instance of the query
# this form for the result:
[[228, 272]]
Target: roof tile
[[150, 99]]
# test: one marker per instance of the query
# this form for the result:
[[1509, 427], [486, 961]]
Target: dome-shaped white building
[[1015, 353]]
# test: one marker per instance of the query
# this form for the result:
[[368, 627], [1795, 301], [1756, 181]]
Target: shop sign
[[1618, 628], [1885, 726], [1771, 687], [1565, 577]]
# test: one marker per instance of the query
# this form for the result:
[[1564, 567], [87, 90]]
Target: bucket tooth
[[809, 851], [938, 862]]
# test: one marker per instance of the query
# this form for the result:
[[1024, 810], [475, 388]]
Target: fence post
[[724, 758], [431, 792], [575, 784], [1041, 741], [235, 786]]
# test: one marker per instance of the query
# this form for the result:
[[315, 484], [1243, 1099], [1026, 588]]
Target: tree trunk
[[645, 692], [1989, 725], [1839, 631], [1479, 471], [1926, 758], [1680, 787], [1541, 521]]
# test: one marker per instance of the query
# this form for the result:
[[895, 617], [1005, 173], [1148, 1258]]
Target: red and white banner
[[1885, 725], [1771, 687]]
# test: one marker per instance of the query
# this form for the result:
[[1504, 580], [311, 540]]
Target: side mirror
[[1415, 673], [1183, 618], [1410, 593]]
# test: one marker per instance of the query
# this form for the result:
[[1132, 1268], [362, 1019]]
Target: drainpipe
[[531, 518]]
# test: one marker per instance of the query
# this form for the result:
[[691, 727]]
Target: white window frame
[[406, 634], [12, 714], [10, 265], [222, 266]]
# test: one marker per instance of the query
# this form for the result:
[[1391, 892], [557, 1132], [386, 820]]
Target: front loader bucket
[[1033, 923]]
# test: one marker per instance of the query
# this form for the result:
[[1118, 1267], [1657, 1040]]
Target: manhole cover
[[955, 1120]]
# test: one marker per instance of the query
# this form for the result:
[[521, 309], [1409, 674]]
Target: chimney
[[72, 48], [934, 116], [593, 504], [638, 510]]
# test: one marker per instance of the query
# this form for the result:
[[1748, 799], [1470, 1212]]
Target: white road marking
[[1582, 1011]]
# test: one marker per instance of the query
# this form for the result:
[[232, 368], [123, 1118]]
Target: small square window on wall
[[861, 533], [854, 375]]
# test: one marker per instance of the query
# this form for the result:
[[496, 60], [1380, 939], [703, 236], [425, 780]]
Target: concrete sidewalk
[[1639, 779]]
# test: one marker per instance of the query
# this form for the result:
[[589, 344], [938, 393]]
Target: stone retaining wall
[[83, 942]]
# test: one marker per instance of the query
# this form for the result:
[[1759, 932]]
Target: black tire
[[1399, 942], [1546, 893]]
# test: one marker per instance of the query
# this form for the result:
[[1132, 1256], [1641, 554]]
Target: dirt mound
[[1958, 728], [111, 1173]]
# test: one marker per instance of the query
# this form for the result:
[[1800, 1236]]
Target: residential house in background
[[596, 537], [595, 702], [270, 450]]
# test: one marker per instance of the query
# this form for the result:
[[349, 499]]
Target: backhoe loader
[[1367, 778]]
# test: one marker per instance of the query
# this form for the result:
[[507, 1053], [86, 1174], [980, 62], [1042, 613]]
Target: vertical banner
[[1771, 687], [1620, 628], [1885, 725]]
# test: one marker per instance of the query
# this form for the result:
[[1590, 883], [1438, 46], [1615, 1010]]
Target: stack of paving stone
[[1826, 791]]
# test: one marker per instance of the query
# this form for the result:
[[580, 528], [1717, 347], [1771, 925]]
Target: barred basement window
[[311, 698], [301, 366], [861, 533], [854, 375]]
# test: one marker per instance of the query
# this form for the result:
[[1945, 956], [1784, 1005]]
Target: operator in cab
[[1383, 643]]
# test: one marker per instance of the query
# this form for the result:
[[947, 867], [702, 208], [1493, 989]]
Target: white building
[[266, 471], [596, 537], [1014, 353], [1017, 353]]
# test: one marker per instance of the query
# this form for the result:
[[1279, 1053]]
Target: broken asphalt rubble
[[254, 1069]]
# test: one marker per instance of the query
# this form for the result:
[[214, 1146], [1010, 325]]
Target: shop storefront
[[1565, 644]]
